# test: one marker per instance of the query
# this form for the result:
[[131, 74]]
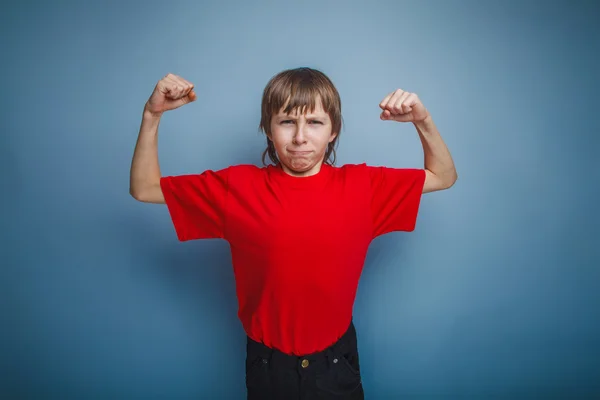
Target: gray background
[[495, 294]]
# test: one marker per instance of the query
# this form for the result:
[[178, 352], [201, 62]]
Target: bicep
[[151, 194], [432, 182]]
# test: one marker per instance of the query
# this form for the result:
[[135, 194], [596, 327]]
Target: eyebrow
[[308, 116]]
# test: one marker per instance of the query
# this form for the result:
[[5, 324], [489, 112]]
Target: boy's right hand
[[170, 92]]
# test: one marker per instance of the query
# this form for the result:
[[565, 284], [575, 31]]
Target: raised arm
[[170, 93], [440, 172], [402, 106]]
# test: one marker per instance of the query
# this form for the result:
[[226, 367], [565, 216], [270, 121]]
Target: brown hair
[[300, 88]]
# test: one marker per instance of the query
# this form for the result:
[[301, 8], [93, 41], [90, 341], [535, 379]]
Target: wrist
[[427, 121], [148, 114]]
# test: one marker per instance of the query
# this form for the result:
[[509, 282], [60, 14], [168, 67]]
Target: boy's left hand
[[403, 106]]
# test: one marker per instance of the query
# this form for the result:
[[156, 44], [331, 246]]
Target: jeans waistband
[[344, 344]]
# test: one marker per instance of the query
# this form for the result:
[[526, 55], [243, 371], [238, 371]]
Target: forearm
[[145, 170], [436, 154]]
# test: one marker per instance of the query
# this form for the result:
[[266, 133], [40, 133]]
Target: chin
[[300, 167]]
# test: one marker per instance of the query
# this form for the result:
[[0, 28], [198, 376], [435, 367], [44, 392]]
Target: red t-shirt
[[298, 245]]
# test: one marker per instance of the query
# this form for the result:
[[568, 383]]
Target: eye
[[316, 122], [286, 121]]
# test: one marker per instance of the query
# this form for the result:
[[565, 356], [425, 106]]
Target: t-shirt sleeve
[[196, 203], [395, 198]]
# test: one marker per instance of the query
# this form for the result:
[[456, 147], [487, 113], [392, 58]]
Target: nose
[[299, 136]]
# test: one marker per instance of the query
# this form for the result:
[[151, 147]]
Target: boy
[[299, 228]]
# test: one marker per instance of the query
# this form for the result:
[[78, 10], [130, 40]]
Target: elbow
[[450, 180], [147, 194], [137, 193], [453, 179]]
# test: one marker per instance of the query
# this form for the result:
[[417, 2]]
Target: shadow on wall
[[198, 271], [195, 281]]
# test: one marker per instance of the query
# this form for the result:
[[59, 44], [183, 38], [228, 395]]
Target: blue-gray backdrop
[[497, 291]]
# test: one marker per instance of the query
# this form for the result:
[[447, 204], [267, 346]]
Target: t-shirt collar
[[299, 182]]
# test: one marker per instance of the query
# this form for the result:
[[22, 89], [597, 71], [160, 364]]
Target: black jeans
[[333, 373]]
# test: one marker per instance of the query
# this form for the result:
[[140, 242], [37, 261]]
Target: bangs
[[301, 98], [300, 92]]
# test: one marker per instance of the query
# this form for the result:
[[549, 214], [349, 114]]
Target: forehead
[[313, 107]]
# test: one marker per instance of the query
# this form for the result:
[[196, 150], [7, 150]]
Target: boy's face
[[301, 139]]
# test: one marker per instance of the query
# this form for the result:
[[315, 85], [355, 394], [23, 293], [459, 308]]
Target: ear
[[268, 134], [332, 137]]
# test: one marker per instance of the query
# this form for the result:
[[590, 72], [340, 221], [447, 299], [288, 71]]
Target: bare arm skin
[[439, 166], [402, 106], [170, 93]]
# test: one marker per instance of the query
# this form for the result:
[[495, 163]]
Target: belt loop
[[269, 354], [265, 353], [329, 355], [340, 344]]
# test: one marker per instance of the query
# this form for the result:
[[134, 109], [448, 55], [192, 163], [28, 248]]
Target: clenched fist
[[170, 92], [402, 106]]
